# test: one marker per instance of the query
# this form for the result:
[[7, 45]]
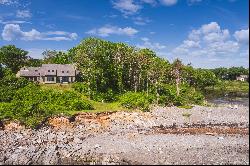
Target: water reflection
[[230, 100]]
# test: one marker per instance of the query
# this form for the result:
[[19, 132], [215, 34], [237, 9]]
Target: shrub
[[31, 104], [80, 87], [9, 86], [136, 101], [81, 105], [108, 96], [188, 95]]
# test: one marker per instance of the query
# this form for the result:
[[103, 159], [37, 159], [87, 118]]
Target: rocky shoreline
[[201, 135]]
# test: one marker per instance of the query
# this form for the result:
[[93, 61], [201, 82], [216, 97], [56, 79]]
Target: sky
[[205, 33]]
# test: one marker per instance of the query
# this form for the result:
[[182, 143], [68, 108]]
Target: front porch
[[52, 79], [58, 79]]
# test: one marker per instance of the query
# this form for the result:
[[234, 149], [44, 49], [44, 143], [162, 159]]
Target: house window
[[36, 70], [67, 71], [52, 70], [62, 71], [50, 79], [65, 79], [48, 70]]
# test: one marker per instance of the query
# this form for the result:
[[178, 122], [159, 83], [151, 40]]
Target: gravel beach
[[200, 135]]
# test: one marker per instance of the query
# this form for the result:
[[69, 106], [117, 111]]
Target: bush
[[81, 105], [31, 104], [136, 101], [80, 87], [9, 86], [188, 95], [108, 96], [167, 94]]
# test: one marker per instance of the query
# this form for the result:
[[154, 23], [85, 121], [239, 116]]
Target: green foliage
[[230, 73], [108, 96], [204, 78], [186, 114], [34, 62], [56, 57], [81, 87], [106, 65], [13, 58], [186, 106], [31, 104], [9, 86], [136, 101], [79, 105], [188, 95], [1, 71], [230, 88]]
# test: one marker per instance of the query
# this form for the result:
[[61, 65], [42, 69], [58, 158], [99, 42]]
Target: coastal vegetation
[[113, 77]]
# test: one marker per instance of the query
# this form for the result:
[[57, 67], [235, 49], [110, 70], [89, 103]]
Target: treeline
[[230, 73], [108, 67], [136, 78]]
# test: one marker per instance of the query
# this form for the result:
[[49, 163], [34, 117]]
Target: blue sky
[[207, 33]]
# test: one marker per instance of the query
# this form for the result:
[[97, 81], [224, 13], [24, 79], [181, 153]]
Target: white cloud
[[151, 2], [108, 30], [23, 14], [242, 36], [210, 41], [14, 32], [211, 27], [191, 44], [147, 44], [35, 52], [8, 2], [141, 21], [127, 7], [14, 22], [169, 2]]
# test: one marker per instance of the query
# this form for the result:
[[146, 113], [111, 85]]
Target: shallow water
[[230, 100]]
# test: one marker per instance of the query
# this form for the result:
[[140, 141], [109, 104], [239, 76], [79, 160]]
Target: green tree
[[1, 71], [176, 70], [34, 62], [13, 58], [56, 57], [205, 78]]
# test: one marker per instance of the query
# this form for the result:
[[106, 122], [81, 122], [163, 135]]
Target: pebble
[[89, 143]]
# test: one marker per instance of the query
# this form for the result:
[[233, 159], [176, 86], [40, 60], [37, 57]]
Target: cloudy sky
[[205, 33]]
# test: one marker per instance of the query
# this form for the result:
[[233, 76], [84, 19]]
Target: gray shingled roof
[[49, 69], [30, 71], [59, 69]]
